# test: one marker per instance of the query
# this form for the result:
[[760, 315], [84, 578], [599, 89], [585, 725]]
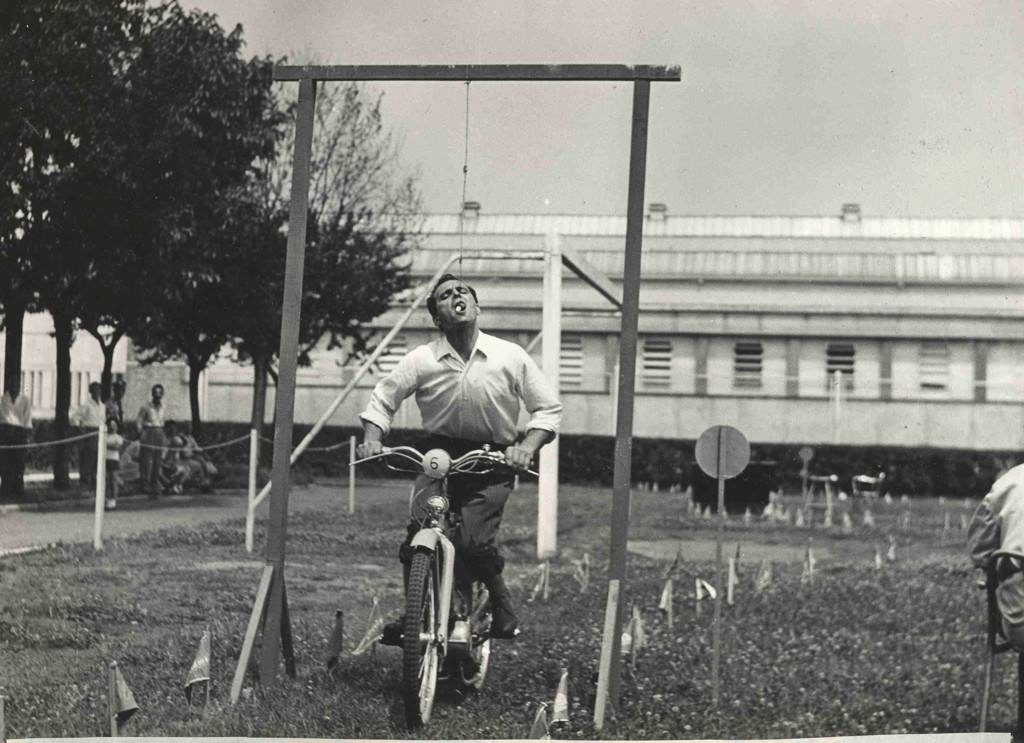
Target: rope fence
[[55, 442]]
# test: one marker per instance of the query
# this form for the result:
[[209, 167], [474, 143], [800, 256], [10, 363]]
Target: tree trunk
[[107, 347], [64, 336], [14, 326], [194, 370]]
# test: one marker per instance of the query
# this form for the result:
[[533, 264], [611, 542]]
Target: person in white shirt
[[469, 387], [89, 416], [998, 524], [15, 431]]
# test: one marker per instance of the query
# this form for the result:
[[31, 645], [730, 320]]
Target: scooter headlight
[[436, 506]]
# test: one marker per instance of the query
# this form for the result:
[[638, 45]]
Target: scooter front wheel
[[421, 649]]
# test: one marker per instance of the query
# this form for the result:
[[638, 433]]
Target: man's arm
[[983, 535], [545, 414], [384, 401], [520, 455]]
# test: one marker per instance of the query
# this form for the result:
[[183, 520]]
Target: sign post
[[722, 452]]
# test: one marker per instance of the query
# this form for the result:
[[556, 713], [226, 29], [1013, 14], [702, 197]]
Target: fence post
[[101, 487], [250, 512], [351, 474]]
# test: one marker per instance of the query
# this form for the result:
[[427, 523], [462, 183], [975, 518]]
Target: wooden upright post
[[277, 613], [627, 366], [551, 351]]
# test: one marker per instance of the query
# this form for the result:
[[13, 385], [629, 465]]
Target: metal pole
[[285, 398], [101, 486], [627, 364], [837, 377], [250, 513], [551, 340], [351, 474], [716, 649], [111, 694]]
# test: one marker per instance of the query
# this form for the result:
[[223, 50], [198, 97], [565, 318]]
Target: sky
[[785, 108]]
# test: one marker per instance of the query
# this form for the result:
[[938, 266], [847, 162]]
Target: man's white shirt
[[477, 400]]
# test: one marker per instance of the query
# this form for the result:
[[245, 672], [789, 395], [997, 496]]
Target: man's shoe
[[392, 634], [504, 623]]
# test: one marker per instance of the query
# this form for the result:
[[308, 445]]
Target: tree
[[364, 217], [207, 117], [58, 118]]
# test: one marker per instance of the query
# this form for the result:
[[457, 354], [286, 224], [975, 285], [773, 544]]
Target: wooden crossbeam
[[492, 72]]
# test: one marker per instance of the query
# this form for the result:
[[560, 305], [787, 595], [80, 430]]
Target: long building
[[915, 325]]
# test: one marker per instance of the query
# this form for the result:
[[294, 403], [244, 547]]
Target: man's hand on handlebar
[[369, 448], [518, 458]]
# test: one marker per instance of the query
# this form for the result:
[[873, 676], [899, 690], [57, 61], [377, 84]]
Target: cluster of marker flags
[[121, 704]]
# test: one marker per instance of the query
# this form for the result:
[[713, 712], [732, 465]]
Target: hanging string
[[465, 176]]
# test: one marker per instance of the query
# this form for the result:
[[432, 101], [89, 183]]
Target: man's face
[[158, 393], [455, 304]]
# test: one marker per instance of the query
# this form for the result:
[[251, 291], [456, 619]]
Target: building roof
[[893, 228]]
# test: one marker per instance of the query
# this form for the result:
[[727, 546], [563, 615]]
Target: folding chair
[[1000, 564]]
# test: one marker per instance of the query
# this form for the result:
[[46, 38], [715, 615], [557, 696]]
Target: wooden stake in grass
[[665, 602], [945, 524], [607, 646], [3, 724], [731, 583], [374, 629], [891, 554], [869, 518], [336, 643], [878, 559], [764, 577]]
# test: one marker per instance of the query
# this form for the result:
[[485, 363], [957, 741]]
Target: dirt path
[[23, 530]]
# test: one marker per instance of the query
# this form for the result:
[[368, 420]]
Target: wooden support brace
[[255, 621]]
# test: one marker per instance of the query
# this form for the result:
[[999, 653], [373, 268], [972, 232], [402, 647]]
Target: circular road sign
[[735, 451]]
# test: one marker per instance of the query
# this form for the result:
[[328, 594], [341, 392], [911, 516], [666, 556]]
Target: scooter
[[447, 619]]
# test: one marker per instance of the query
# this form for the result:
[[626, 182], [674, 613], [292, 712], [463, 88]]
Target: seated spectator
[[998, 524], [185, 465]]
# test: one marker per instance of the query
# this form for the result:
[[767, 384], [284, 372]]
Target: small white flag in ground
[[963, 522], [626, 643], [890, 555], [878, 559], [748, 517], [374, 629], [200, 670], [764, 576], [733, 581], [121, 705], [560, 710], [887, 498], [768, 511], [665, 602], [827, 522], [869, 518], [847, 523], [540, 588], [807, 574], [904, 498], [942, 500], [539, 729], [581, 571], [703, 588], [706, 513], [800, 518]]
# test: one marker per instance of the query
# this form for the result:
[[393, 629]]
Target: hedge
[[916, 471]]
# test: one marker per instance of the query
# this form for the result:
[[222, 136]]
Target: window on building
[[398, 348], [79, 387], [570, 362], [747, 357], [656, 363], [933, 362], [840, 357]]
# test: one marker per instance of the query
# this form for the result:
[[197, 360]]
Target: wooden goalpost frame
[[274, 612]]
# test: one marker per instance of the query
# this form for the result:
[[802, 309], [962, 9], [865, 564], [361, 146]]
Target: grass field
[[859, 651]]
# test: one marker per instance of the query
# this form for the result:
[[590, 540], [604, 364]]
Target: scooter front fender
[[435, 541]]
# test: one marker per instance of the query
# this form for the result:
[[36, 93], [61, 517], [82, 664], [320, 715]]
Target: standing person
[[998, 524], [152, 441], [15, 430], [89, 416], [115, 405], [114, 444], [469, 386]]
